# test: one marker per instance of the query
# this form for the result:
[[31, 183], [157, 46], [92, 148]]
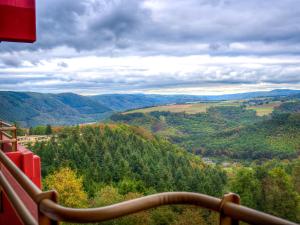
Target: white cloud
[[188, 46], [204, 73]]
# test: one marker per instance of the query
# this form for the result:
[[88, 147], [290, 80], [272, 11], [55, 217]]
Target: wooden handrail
[[55, 212], [5, 124], [7, 135], [8, 141], [7, 128]]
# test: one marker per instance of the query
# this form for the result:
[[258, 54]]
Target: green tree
[[20, 131], [281, 199], [137, 218], [106, 196], [296, 175], [48, 130], [31, 131], [38, 130], [129, 185], [109, 195], [247, 186], [191, 216], [163, 216]]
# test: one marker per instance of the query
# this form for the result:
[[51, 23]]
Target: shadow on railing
[[49, 212]]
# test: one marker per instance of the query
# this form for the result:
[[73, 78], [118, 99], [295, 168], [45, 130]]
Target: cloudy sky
[[157, 46]]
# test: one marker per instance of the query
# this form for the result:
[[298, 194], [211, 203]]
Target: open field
[[193, 108], [265, 109]]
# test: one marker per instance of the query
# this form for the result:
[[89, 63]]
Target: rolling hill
[[123, 102], [31, 109], [233, 132]]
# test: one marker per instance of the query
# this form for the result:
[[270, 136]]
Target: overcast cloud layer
[[157, 46]]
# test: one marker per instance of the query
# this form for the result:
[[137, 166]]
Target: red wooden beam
[[17, 20]]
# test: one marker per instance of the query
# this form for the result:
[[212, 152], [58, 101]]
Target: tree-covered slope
[[30, 109], [107, 164], [232, 132], [123, 102], [82, 104], [122, 154]]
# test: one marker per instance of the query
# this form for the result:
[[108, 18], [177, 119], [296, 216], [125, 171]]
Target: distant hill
[[123, 102], [83, 104], [258, 94], [31, 109]]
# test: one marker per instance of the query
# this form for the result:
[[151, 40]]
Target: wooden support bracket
[[226, 220], [51, 195]]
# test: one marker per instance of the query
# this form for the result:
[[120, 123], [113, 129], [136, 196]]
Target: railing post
[[51, 195], [224, 219]]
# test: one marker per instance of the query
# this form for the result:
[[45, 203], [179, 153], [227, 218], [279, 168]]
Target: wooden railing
[[8, 134], [50, 212]]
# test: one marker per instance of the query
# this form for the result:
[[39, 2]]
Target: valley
[[226, 130], [108, 163], [247, 146]]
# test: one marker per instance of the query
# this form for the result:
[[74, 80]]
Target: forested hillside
[[106, 164], [31, 109], [123, 102], [227, 131], [111, 154], [272, 187]]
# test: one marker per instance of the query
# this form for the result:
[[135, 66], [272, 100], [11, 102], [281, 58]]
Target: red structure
[[17, 20], [31, 166]]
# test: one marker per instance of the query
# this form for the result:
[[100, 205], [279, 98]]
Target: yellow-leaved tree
[[69, 187]]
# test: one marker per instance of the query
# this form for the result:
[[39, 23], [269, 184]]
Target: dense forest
[[105, 164], [231, 132], [111, 154]]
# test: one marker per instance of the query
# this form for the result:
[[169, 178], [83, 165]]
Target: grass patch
[[265, 109], [192, 108]]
